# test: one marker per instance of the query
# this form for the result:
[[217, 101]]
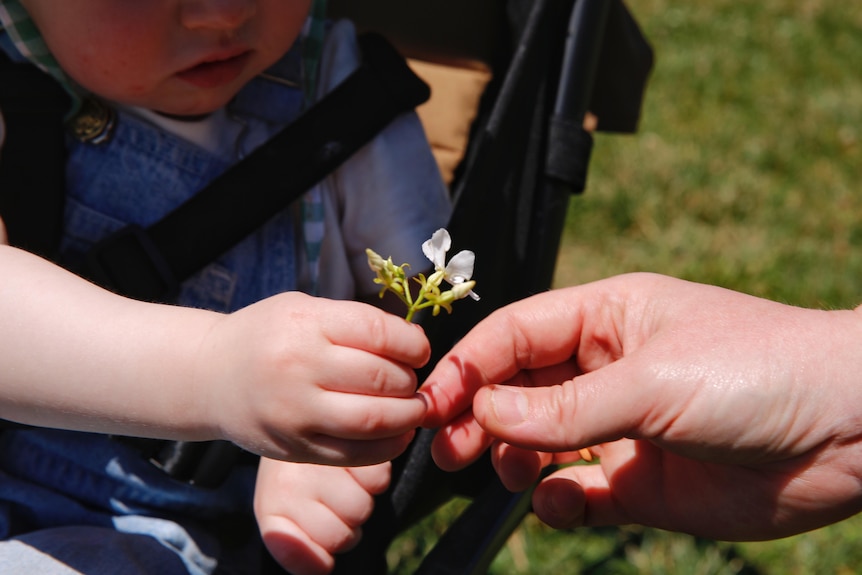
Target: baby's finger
[[349, 500], [329, 450], [367, 374], [363, 417], [373, 478], [293, 548], [327, 528], [365, 327]]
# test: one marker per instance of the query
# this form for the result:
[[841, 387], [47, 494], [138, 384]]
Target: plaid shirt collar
[[28, 41]]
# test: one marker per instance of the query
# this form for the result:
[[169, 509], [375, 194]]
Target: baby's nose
[[216, 14]]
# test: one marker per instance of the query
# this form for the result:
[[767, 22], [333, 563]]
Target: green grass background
[[745, 173], [746, 170]]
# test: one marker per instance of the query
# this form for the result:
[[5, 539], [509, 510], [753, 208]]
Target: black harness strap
[[32, 183]]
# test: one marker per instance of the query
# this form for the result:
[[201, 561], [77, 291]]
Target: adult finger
[[604, 405], [541, 331], [576, 496], [517, 468], [459, 444]]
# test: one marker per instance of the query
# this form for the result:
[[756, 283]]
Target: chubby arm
[[291, 377], [712, 412], [75, 356]]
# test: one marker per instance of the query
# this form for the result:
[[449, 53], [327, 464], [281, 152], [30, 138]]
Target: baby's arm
[[75, 356], [291, 377]]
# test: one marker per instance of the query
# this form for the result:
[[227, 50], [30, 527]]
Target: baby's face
[[181, 57]]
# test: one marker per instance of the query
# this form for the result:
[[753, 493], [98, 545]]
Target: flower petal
[[460, 267], [435, 249]]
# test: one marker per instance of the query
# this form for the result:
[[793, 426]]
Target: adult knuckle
[[564, 399], [522, 347]]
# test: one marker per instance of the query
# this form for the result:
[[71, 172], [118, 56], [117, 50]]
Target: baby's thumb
[[591, 409]]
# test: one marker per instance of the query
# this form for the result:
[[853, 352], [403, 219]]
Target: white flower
[[460, 267]]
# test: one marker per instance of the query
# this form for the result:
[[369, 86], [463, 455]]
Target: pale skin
[[306, 532], [293, 378], [712, 412]]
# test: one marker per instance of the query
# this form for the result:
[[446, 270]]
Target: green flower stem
[[408, 297], [413, 307]]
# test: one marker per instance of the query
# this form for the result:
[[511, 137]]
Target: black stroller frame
[[529, 153]]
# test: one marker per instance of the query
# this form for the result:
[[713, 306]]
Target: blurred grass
[[746, 170], [745, 173]]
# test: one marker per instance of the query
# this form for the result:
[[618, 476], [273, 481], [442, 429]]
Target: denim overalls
[[85, 498]]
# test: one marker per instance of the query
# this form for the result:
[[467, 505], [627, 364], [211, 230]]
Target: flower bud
[[463, 289], [375, 260]]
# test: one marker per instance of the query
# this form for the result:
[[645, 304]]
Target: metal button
[[94, 123]]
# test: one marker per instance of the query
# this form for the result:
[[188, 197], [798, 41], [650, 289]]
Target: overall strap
[[33, 156]]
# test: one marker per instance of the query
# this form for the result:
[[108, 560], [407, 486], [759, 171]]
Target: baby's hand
[[306, 379], [307, 513]]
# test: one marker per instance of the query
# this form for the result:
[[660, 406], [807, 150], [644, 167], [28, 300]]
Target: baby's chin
[[195, 112], [186, 106], [189, 112]]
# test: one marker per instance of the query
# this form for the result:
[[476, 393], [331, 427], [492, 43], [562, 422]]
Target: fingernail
[[510, 405]]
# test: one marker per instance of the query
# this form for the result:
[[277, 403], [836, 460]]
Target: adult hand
[[712, 412]]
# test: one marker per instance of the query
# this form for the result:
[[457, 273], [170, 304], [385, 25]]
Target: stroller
[[548, 64]]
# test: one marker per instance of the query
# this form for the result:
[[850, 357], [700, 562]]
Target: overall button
[[94, 123]]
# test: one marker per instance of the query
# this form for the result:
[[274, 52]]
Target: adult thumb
[[594, 408]]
